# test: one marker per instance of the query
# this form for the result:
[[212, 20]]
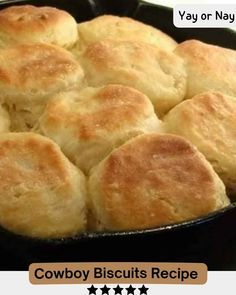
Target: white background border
[[14, 283]]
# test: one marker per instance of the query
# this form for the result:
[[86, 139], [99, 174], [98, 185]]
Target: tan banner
[[112, 273]]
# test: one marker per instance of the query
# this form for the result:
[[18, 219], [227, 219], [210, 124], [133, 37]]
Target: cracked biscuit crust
[[158, 74], [89, 124], [153, 180], [30, 74]]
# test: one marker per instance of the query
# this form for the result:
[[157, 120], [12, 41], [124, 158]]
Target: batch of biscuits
[[110, 125]]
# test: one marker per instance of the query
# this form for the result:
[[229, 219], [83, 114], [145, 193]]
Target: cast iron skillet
[[211, 239]]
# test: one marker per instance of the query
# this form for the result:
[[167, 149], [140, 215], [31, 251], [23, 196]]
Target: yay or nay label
[[205, 16]]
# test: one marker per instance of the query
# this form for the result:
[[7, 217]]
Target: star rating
[[105, 290], [118, 290], [92, 290], [143, 290], [130, 290]]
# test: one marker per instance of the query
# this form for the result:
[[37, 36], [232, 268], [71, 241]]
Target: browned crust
[[29, 66], [208, 121], [209, 67], [123, 28], [154, 180], [20, 19], [30, 158], [112, 107]]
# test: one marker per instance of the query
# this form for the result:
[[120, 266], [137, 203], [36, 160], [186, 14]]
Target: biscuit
[[153, 180], [208, 120], [122, 29], [30, 74], [158, 74], [4, 120], [31, 24], [90, 123], [41, 193], [208, 67]]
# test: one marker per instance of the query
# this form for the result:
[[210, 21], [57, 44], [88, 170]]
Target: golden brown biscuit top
[[37, 68], [159, 74], [121, 29], [208, 120], [209, 67], [41, 193], [109, 53], [163, 178], [206, 55], [20, 19], [30, 161], [93, 111]]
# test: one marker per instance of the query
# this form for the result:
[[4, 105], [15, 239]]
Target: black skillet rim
[[110, 234]]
